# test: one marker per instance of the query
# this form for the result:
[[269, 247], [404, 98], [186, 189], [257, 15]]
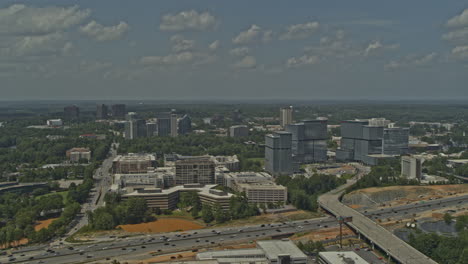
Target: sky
[[211, 49]]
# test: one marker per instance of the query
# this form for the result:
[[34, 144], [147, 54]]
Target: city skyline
[[238, 50]]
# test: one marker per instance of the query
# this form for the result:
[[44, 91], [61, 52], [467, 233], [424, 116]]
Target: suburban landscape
[[133, 183], [233, 132]]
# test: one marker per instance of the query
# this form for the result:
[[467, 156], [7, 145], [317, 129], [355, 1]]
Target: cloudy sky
[[265, 49]]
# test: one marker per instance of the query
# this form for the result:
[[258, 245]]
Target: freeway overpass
[[379, 236]]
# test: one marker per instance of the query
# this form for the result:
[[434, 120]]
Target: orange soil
[[44, 224], [40, 225], [162, 225]]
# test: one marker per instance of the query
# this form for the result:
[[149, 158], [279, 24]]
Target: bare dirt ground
[[398, 195], [39, 225]]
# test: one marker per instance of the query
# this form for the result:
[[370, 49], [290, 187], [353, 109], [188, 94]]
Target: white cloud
[[239, 52], [24, 20], [214, 45], [460, 35], [459, 20], [376, 47], [179, 43], [41, 45], [183, 58], [301, 61], [246, 62], [300, 31], [93, 66], [103, 33], [460, 52], [253, 34], [412, 61], [188, 20]]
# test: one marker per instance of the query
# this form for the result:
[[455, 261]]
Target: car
[[31, 258], [262, 225], [166, 243], [89, 256], [212, 242], [207, 240], [173, 245], [357, 249], [123, 248], [278, 230], [107, 258], [143, 246], [194, 250]]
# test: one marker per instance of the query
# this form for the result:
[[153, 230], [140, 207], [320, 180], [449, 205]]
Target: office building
[[118, 110], [135, 128], [133, 163], [164, 124], [340, 257], [184, 125], [286, 116], [168, 198], [151, 129], [267, 251], [395, 141], [263, 192], [195, 170], [71, 112], [55, 122], [370, 144], [101, 111], [278, 153], [231, 179], [309, 141], [174, 122], [236, 116], [162, 177], [78, 154], [411, 167], [239, 131]]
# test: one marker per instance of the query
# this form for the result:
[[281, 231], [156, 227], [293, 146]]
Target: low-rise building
[[340, 257], [77, 154], [168, 198], [239, 131], [162, 177], [133, 163], [269, 251], [55, 122], [264, 192]]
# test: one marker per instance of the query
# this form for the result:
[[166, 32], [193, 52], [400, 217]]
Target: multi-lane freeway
[[177, 241], [384, 239]]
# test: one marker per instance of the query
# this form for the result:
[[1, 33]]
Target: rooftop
[[343, 257], [275, 248]]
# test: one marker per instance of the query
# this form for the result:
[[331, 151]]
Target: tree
[[207, 214]]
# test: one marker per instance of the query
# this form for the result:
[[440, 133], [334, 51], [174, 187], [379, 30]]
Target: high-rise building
[[184, 125], [71, 112], [278, 153], [367, 143], [174, 125], [134, 127], [237, 116], [197, 170], [411, 167], [151, 129], [395, 141], [239, 131], [101, 111], [164, 124], [118, 110], [309, 141], [286, 116]]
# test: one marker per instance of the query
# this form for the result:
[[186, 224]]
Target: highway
[[384, 239], [142, 245]]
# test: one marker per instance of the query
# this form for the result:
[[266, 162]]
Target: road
[[103, 181], [139, 246], [384, 239]]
